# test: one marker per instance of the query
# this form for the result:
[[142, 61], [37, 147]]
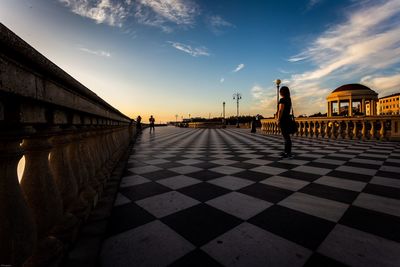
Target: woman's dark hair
[[284, 91]]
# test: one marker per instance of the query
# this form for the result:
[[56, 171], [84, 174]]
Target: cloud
[[386, 84], [95, 52], [111, 12], [222, 80], [239, 67], [257, 92], [313, 3], [356, 49], [164, 14], [193, 51], [217, 24]]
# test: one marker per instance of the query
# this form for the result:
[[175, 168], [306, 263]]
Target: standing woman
[[283, 119]]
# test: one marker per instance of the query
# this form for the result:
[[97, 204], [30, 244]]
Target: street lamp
[[277, 82], [223, 115], [237, 97]]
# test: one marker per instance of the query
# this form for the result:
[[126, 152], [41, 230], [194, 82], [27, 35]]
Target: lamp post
[[237, 97], [223, 115], [277, 82], [176, 118]]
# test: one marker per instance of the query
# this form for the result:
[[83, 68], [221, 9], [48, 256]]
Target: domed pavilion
[[352, 99]]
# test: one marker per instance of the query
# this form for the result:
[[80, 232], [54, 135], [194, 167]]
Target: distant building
[[352, 99], [389, 105]]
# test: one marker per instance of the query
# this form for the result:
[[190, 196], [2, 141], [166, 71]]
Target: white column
[[350, 107]]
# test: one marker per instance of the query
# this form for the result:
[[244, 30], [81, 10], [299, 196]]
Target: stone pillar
[[17, 227], [350, 107], [329, 111], [363, 110]]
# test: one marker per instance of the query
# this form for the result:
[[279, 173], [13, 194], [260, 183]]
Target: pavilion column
[[363, 106], [350, 113], [329, 109]]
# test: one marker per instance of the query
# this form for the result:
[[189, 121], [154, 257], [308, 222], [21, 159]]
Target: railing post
[[355, 130], [364, 130], [17, 228], [382, 131], [372, 131]]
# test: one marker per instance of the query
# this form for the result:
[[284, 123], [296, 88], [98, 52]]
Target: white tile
[[342, 155], [152, 244], [330, 161], [185, 169], [189, 161], [284, 182], [357, 170], [192, 156], [309, 155], [316, 206], [226, 170], [371, 155], [223, 161], [294, 161], [167, 203], [341, 183], [367, 161], [249, 245], [121, 200], [359, 249], [393, 160], [381, 204], [239, 205], [221, 156], [145, 169], [258, 161], [231, 182], [251, 156], [133, 180], [156, 161], [313, 170], [390, 169], [269, 170], [177, 182], [385, 181], [164, 156]]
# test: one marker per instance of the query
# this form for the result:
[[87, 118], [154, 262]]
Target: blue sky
[[167, 57]]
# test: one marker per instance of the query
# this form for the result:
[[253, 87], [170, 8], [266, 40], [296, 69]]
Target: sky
[[181, 57]]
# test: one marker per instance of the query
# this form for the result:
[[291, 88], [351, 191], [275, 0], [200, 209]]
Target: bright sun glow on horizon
[[181, 57]]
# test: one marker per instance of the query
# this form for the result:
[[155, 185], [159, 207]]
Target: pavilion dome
[[353, 89]]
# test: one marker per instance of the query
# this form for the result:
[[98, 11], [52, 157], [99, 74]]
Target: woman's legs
[[288, 143]]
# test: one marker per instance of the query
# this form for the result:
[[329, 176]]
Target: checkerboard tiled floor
[[223, 197]]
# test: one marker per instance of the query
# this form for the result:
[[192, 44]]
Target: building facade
[[389, 105]]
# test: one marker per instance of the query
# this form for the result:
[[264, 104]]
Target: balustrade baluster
[[372, 132], [364, 130], [382, 131], [355, 130], [17, 228]]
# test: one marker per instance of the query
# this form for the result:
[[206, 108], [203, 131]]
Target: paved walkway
[[223, 197]]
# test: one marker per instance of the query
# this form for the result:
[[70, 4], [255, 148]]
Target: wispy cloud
[[193, 51], [100, 53], [164, 14], [217, 24], [385, 84], [222, 80], [313, 3], [239, 67], [361, 46], [111, 12], [257, 91]]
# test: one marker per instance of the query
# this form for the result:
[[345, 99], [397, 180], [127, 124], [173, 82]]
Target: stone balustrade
[[205, 124], [356, 128], [71, 140]]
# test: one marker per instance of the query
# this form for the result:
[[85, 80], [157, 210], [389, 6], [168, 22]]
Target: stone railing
[[357, 128], [205, 124], [71, 140]]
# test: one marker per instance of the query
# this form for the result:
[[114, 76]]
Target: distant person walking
[[152, 120], [139, 124], [284, 120]]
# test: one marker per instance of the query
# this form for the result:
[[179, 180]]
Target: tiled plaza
[[223, 197]]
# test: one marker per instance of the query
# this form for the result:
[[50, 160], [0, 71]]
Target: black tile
[[205, 175], [304, 229], [382, 190], [204, 191], [318, 260], [282, 165], [161, 174], [321, 165], [252, 176], [309, 177], [388, 174], [362, 165], [350, 176], [205, 165], [143, 190], [196, 258], [244, 165], [373, 222], [238, 158], [127, 216], [266, 192], [329, 192], [201, 224]]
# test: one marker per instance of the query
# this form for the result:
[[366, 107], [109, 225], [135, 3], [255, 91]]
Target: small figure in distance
[[139, 124], [283, 120], [152, 120], [254, 124]]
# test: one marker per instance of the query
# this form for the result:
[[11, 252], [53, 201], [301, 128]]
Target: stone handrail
[[356, 128], [205, 124], [71, 140]]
